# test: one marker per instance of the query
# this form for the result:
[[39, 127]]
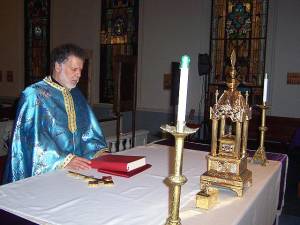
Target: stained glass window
[[118, 36], [36, 40], [240, 25]]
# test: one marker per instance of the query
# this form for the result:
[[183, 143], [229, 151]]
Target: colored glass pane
[[239, 25], [238, 20], [36, 39], [118, 36]]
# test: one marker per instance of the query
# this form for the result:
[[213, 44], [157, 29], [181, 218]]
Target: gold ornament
[[227, 161]]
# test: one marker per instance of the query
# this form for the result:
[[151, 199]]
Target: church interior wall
[[164, 36], [11, 48], [283, 55]]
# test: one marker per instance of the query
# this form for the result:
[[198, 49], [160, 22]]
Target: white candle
[[265, 92], [184, 72]]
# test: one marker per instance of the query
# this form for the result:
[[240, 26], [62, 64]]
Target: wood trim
[[280, 129]]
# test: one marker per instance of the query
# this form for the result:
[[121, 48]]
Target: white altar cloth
[[57, 198]]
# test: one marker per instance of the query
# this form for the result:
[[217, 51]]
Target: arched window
[[239, 25], [37, 14], [118, 37]]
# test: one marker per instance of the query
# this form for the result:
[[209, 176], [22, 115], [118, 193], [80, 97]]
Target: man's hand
[[79, 163]]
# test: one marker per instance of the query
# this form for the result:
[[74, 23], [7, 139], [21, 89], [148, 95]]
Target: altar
[[57, 198]]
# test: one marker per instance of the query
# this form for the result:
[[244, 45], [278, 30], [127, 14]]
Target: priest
[[54, 126]]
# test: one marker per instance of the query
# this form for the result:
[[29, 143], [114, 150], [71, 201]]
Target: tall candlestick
[[265, 93], [184, 72]]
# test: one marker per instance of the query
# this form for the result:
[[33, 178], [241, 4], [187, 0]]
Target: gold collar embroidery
[[69, 103]]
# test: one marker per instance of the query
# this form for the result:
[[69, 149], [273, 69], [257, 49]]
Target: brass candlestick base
[[260, 154], [176, 179]]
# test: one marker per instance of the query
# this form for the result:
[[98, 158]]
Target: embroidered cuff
[[66, 161], [100, 152]]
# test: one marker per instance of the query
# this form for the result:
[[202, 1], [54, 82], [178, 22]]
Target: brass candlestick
[[176, 179], [260, 154]]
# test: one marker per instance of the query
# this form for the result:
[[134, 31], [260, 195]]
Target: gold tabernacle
[[227, 161]]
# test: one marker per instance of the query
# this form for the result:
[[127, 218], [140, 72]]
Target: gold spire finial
[[232, 81], [233, 58]]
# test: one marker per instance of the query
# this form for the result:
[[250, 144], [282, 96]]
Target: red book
[[126, 174], [124, 163]]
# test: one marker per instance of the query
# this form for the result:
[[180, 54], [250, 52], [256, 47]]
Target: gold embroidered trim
[[100, 152], [68, 159], [69, 104]]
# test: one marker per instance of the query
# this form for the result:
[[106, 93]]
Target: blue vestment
[[51, 123]]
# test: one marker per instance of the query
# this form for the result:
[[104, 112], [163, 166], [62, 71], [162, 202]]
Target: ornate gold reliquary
[[227, 161]]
